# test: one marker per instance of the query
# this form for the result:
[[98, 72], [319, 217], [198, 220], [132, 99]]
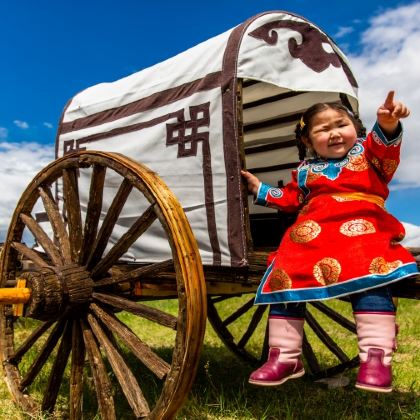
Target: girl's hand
[[390, 113], [252, 181]]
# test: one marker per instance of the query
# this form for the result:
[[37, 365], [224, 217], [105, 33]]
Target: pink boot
[[285, 341], [376, 335]]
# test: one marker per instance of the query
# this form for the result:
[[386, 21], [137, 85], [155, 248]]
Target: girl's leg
[[285, 332], [374, 312]]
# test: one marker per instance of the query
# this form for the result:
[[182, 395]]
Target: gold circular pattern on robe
[[380, 266], [358, 163], [376, 162], [311, 177], [305, 232], [279, 280], [304, 209], [389, 166], [327, 271], [357, 227]]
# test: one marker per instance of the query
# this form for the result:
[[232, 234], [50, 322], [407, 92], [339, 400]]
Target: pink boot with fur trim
[[285, 341], [376, 335]]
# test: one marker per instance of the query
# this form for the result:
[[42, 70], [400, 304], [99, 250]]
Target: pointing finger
[[389, 101]]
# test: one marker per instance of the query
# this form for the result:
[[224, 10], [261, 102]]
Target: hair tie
[[301, 123]]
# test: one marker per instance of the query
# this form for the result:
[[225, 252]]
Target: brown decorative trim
[[176, 135], [310, 50], [57, 136], [156, 100], [122, 130], [235, 208], [183, 151], [235, 196]]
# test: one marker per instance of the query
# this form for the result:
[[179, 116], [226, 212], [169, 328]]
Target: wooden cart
[[145, 203]]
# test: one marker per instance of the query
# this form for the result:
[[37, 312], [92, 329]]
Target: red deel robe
[[343, 241]]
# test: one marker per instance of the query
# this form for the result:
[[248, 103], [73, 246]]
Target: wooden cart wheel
[[84, 338], [329, 344]]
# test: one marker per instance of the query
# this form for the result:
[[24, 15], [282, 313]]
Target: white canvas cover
[[185, 120]]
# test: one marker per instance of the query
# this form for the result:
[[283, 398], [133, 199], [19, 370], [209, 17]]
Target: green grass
[[221, 391]]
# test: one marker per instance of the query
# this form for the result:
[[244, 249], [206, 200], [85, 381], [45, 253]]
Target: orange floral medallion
[[357, 227], [380, 266], [312, 177], [279, 280], [375, 161], [389, 166], [305, 231], [358, 163], [327, 271]]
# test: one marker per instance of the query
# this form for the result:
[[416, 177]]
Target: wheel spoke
[[57, 223], [109, 223], [30, 341], [239, 312], [103, 385], [76, 375], [57, 371], [123, 373], [256, 318], [141, 350], [43, 239], [146, 271], [152, 314], [93, 212], [43, 354], [310, 356], [126, 240], [30, 254], [218, 299], [335, 316], [325, 338], [225, 335], [74, 216]]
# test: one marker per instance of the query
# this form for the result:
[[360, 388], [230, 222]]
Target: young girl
[[343, 242]]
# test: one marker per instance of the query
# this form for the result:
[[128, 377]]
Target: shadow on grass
[[221, 391]]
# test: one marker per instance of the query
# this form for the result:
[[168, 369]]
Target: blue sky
[[50, 50]]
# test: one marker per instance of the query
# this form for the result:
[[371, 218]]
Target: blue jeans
[[374, 300]]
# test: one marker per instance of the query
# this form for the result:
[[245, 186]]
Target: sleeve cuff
[[379, 136], [266, 191]]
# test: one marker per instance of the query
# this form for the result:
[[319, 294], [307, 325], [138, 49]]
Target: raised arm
[[390, 113]]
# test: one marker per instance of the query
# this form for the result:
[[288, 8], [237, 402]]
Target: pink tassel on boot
[[376, 333], [285, 341]]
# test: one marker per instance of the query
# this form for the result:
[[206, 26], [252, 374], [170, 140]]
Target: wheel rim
[[89, 329], [325, 354]]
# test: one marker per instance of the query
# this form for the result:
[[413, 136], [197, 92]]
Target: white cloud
[[389, 60], [19, 162], [47, 124], [412, 235], [21, 124], [4, 132], [343, 31]]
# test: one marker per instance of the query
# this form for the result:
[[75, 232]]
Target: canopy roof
[[193, 117]]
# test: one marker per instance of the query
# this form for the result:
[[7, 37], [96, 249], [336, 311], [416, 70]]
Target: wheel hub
[[56, 290]]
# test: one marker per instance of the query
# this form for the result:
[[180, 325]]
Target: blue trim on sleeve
[[382, 137], [332, 291], [261, 198]]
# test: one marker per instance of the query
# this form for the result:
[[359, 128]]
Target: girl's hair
[[304, 124]]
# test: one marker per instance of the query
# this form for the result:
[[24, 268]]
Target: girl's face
[[332, 134]]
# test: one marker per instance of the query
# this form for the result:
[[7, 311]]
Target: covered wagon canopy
[[196, 119]]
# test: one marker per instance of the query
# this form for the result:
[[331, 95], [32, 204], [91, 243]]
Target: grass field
[[221, 391]]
